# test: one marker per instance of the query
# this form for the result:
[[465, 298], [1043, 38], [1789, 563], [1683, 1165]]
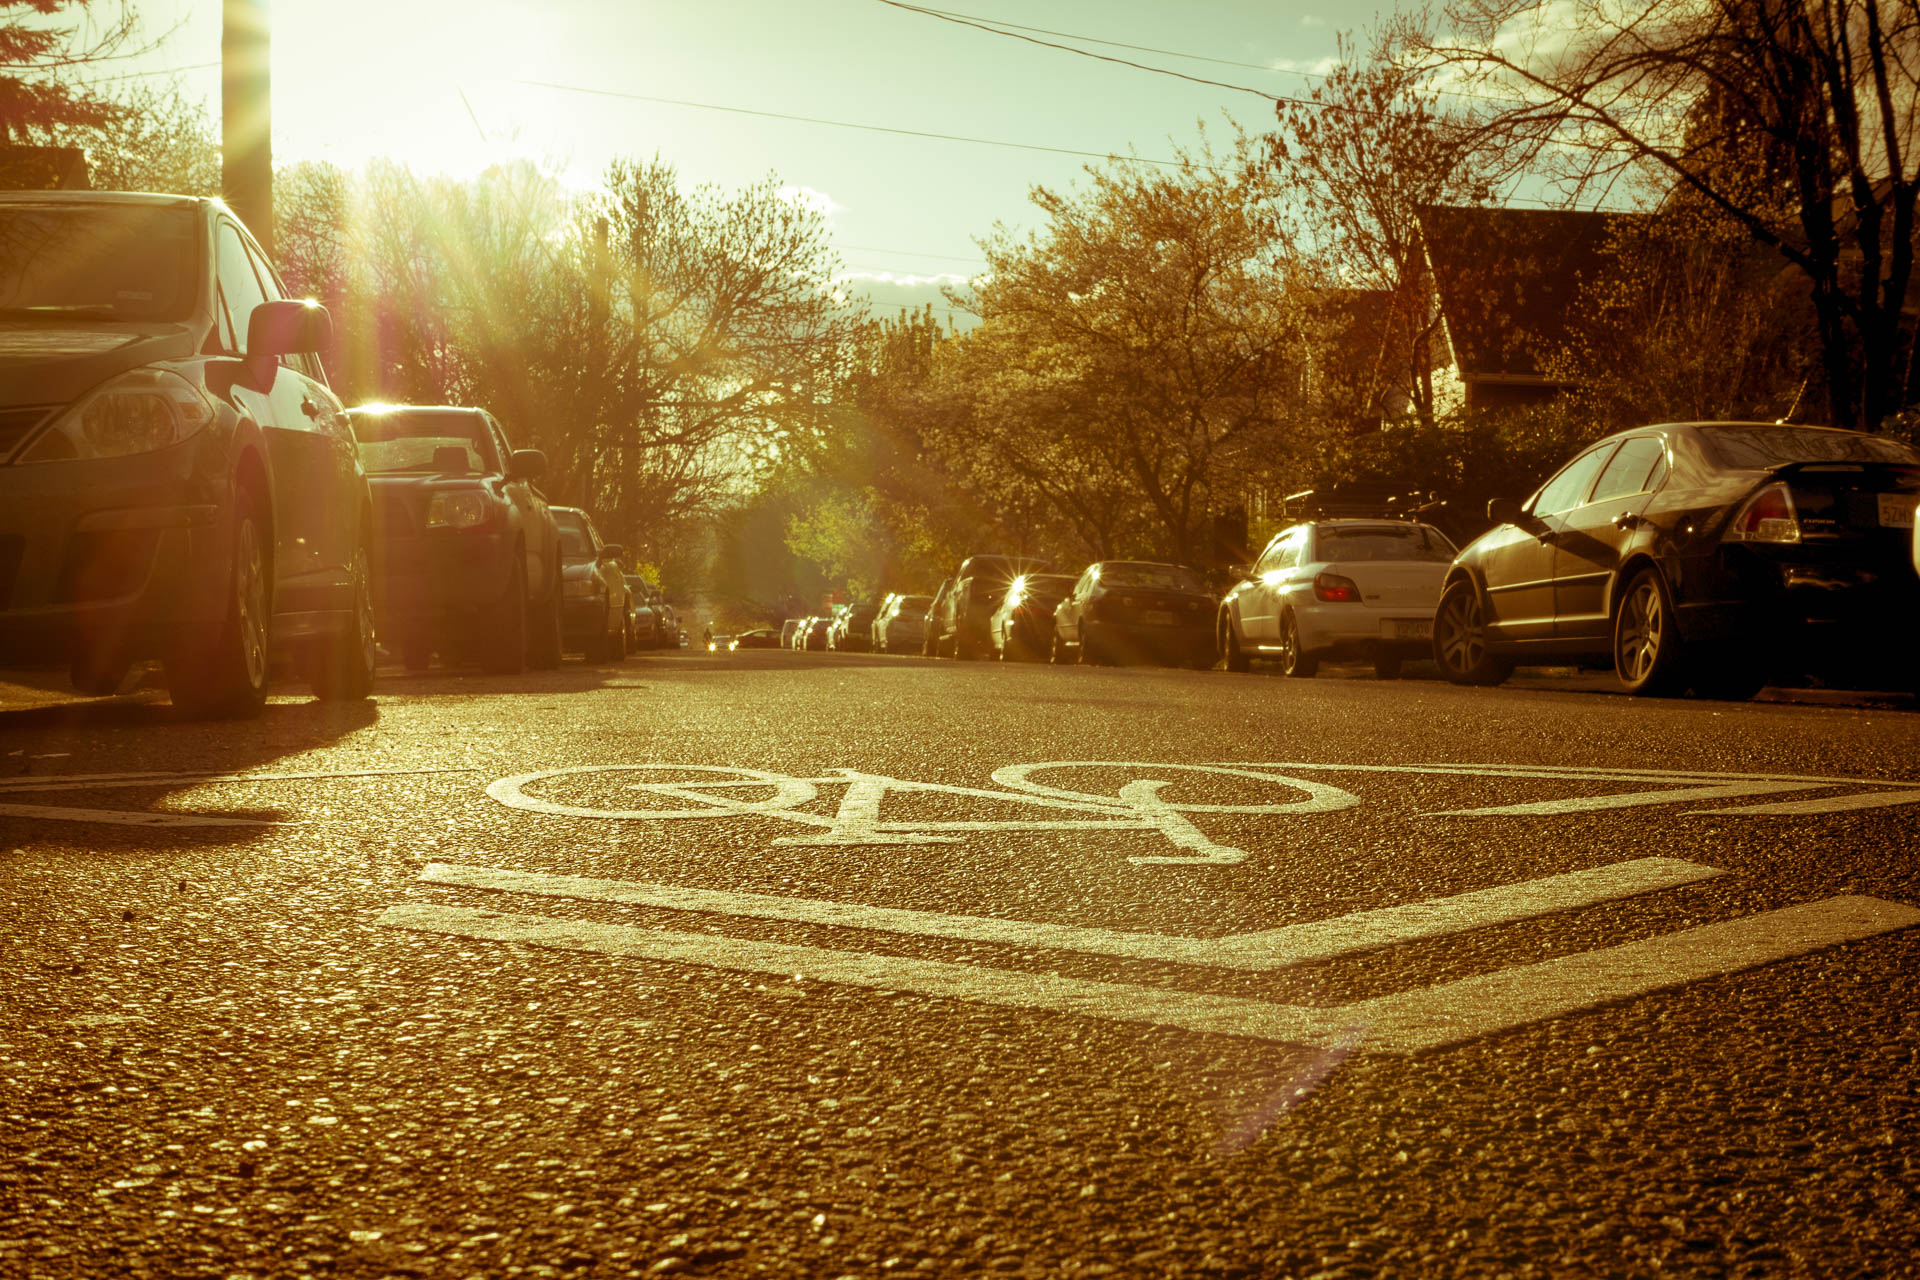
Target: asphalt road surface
[[824, 965]]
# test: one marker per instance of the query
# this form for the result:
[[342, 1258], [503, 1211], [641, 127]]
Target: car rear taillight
[[1335, 589], [1768, 516]]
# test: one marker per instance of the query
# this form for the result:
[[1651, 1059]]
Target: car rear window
[[130, 262], [1163, 577], [413, 441], [1764, 447], [1384, 542]]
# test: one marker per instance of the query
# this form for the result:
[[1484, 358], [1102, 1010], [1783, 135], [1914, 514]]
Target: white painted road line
[[1407, 1023], [1473, 1007], [1824, 804], [1270, 949], [1635, 799]]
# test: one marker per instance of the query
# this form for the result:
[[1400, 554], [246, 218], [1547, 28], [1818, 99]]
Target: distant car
[[669, 621], [760, 638], [1710, 555], [595, 619], [468, 556], [901, 624], [933, 627], [979, 586], [719, 643], [177, 480], [1330, 589], [1021, 629], [852, 631], [816, 634], [643, 613], [1129, 610], [787, 629]]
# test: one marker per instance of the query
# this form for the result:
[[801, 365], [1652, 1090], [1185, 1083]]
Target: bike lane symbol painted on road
[[717, 791]]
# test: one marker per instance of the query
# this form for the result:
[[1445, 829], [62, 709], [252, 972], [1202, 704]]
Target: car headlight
[[458, 510], [582, 587], [137, 412]]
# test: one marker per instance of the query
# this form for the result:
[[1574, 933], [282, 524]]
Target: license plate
[[1412, 628], [1896, 510], [1159, 618]]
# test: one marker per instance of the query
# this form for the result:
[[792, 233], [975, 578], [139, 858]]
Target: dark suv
[[176, 479], [468, 557]]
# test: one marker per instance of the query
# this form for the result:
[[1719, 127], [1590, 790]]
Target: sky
[[453, 85]]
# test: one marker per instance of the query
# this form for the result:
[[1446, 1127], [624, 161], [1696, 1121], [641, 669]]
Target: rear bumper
[[1804, 613], [1341, 629], [126, 557], [445, 575]]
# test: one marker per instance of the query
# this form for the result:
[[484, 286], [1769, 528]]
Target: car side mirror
[[612, 551], [1504, 511], [526, 464], [288, 328]]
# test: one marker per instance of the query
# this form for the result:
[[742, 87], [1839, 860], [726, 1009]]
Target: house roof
[[1507, 279]]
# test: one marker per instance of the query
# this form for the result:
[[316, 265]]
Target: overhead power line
[[845, 124], [944, 16], [1116, 44]]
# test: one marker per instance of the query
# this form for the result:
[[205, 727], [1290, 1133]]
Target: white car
[[1338, 589]]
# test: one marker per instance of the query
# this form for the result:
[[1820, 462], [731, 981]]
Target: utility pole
[[246, 118]]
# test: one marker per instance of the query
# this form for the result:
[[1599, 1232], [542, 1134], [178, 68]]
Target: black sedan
[[177, 480], [1134, 610], [1716, 556], [469, 556], [761, 638]]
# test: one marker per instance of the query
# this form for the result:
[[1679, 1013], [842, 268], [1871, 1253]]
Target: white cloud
[[819, 201], [1313, 67], [1312, 20], [905, 278]]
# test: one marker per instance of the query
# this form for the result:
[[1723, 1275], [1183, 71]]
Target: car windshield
[[914, 604], [1383, 542], [576, 544], [129, 262], [1765, 447], [1162, 577], [445, 443]]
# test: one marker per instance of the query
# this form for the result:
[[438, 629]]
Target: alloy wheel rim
[[1640, 632], [252, 605], [1462, 644]]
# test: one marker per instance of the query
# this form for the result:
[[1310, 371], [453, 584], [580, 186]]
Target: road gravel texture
[[220, 1057]]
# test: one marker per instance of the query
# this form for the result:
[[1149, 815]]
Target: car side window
[[1639, 465], [1566, 490], [1286, 553], [239, 287], [1276, 550]]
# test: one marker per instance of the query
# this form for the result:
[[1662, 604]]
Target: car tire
[[1237, 659], [1460, 645], [225, 674], [617, 644], [503, 644], [342, 669], [1648, 655], [1295, 661], [1386, 666], [543, 627], [1057, 652]]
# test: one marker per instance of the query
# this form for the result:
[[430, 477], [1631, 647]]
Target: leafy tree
[[37, 93], [1793, 119]]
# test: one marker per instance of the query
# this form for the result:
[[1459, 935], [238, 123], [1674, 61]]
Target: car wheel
[[1057, 652], [1237, 659], [1460, 645], [225, 674], [1386, 666], [342, 667], [1646, 640], [1294, 661], [617, 644], [543, 627], [503, 647]]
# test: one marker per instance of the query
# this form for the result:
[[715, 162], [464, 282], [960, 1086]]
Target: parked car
[[1021, 629], [759, 638], [595, 620], [1330, 589], [979, 586], [668, 619], [933, 626], [787, 630], [901, 624], [1126, 610], [467, 557], [815, 637], [643, 611], [1710, 555], [852, 631], [177, 480]]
